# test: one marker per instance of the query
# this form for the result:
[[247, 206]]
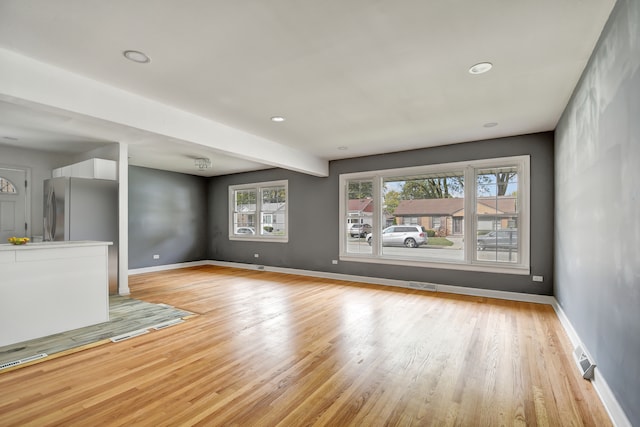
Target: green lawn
[[439, 241]]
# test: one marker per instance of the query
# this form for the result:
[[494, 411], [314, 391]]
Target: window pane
[[7, 187], [273, 210], [244, 218], [359, 220], [430, 209], [497, 215]]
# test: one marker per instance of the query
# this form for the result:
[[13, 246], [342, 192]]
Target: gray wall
[[314, 219], [167, 216], [42, 164], [598, 207]]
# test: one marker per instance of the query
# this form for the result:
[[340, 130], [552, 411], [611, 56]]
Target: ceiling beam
[[29, 82]]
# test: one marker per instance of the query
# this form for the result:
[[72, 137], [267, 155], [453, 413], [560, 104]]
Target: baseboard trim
[[607, 397], [512, 296], [157, 268]]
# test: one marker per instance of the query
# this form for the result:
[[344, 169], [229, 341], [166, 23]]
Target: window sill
[[260, 239], [486, 268]]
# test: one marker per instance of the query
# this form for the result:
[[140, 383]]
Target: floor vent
[[128, 335], [166, 324], [585, 365], [423, 286], [22, 361]]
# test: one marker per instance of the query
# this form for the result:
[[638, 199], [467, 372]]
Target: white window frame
[[470, 244], [258, 237]]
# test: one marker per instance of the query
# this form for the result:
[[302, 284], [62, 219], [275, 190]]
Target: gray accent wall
[[167, 216], [598, 207], [314, 216]]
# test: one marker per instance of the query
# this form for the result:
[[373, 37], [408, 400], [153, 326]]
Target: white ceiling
[[351, 77]]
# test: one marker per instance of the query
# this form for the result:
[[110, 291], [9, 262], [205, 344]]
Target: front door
[[13, 200]]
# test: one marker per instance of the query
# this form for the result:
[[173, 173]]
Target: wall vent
[[423, 286], [585, 365], [166, 324], [260, 267], [128, 335], [22, 361]]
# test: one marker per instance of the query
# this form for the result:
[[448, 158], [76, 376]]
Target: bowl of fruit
[[18, 240]]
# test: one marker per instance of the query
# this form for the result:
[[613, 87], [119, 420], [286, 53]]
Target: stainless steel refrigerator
[[83, 209]]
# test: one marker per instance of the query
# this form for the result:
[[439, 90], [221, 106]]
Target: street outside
[[433, 253]]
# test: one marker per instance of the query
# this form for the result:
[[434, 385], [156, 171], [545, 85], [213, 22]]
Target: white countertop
[[51, 245]]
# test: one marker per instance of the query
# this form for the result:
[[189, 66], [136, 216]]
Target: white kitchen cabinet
[[92, 168], [52, 287]]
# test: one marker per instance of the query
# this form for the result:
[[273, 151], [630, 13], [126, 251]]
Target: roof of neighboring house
[[361, 205], [506, 204], [429, 207], [449, 206]]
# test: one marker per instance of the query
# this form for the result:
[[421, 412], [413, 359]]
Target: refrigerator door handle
[[54, 214], [50, 216], [47, 217]]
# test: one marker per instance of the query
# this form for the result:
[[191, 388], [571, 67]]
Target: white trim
[[613, 408], [470, 170], [258, 237], [165, 267], [611, 405], [123, 219], [461, 290]]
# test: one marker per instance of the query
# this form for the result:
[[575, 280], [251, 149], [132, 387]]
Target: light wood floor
[[269, 349]]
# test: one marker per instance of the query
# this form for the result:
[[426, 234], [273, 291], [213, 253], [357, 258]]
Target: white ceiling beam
[[26, 80]]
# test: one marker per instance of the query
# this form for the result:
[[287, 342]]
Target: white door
[[13, 200]]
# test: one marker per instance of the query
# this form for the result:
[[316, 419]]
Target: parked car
[[410, 236], [499, 239], [360, 230], [245, 230]]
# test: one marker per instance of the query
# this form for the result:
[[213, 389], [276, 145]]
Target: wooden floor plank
[[268, 349]]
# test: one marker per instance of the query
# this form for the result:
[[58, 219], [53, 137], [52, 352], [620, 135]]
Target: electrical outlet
[[334, 261], [156, 256], [537, 279], [256, 255]]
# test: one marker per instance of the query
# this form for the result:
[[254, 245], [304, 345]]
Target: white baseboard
[[512, 296], [607, 397], [611, 405], [157, 268]]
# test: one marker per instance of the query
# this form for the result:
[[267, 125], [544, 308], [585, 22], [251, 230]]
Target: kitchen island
[[51, 287]]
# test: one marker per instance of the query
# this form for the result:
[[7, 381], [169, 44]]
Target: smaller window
[[7, 187], [259, 211]]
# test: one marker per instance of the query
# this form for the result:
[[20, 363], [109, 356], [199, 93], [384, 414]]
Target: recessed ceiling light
[[277, 119], [343, 148], [136, 56], [490, 125], [481, 67]]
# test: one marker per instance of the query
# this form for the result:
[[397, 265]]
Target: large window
[[471, 215], [259, 211]]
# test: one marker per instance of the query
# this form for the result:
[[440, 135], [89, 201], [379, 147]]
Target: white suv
[[410, 236]]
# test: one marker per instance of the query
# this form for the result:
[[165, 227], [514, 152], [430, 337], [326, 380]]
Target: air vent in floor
[[129, 335], [22, 361], [167, 324]]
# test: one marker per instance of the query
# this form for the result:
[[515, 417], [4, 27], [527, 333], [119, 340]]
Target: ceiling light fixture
[[481, 67], [490, 125], [342, 148], [202, 163], [136, 56], [277, 119]]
